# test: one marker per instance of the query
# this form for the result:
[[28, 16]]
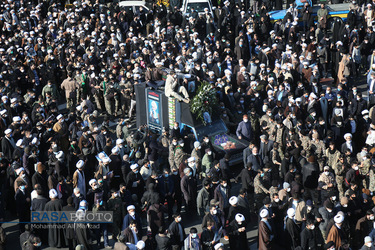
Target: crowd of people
[[308, 176]]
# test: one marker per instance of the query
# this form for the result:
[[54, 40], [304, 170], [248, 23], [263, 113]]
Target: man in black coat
[[265, 148], [23, 205], [237, 233], [55, 235], [40, 177], [69, 230], [208, 236], [311, 238], [129, 233], [189, 189], [134, 181], [177, 232], [162, 240], [310, 174], [8, 145], [292, 230]]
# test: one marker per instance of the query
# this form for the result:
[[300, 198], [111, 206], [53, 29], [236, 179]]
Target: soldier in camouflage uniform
[[266, 122], [97, 92], [110, 99], [165, 143], [319, 149], [179, 154], [364, 169], [196, 153], [332, 155], [272, 129], [339, 168], [260, 190], [372, 180], [280, 134], [126, 88], [304, 138], [115, 205], [172, 148], [254, 121]]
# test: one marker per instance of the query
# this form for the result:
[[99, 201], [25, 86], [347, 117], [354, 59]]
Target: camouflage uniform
[[272, 132], [260, 192], [306, 142], [254, 121], [364, 169], [171, 155], [265, 118], [339, 172], [332, 159], [320, 149], [179, 156], [196, 153], [372, 180], [126, 89], [324, 180]]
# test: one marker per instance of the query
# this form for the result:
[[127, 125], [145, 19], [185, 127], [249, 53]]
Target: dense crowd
[[308, 176]]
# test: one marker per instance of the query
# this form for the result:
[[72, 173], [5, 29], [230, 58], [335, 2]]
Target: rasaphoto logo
[[79, 216]]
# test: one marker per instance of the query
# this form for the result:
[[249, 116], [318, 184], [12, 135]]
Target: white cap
[[286, 185], [13, 100], [191, 159], [119, 141], [338, 218], [263, 213], [19, 142], [16, 119], [140, 244], [365, 112], [233, 200], [59, 117], [291, 212], [80, 164], [19, 170], [101, 155], [368, 239], [92, 181], [130, 207], [106, 159], [115, 150], [60, 154], [267, 49], [239, 217], [348, 135], [197, 144], [79, 108], [218, 245], [3, 111], [52, 193], [313, 95], [34, 141], [8, 131], [83, 203], [133, 166]]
